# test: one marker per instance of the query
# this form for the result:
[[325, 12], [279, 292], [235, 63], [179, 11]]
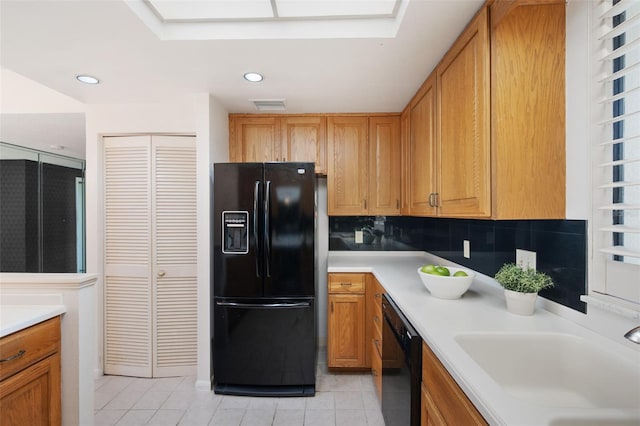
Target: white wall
[[213, 146], [200, 115]]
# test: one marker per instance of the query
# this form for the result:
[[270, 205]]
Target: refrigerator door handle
[[265, 305], [267, 230], [256, 194]]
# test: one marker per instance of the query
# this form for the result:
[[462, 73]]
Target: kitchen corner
[[458, 330], [27, 299]]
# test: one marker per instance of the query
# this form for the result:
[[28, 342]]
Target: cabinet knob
[[161, 273]]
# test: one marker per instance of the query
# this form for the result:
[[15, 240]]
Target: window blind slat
[[613, 10], [620, 206], [619, 162], [619, 118], [620, 140], [620, 229], [621, 50], [627, 25], [620, 184], [620, 251], [618, 74]]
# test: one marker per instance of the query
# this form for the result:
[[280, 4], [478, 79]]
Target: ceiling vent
[[269, 104]]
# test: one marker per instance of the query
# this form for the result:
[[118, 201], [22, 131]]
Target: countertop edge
[[46, 280], [32, 315]]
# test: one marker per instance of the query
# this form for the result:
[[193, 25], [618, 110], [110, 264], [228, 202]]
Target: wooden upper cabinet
[[463, 115], [347, 167], [422, 151], [300, 138], [254, 139], [384, 166], [528, 112], [304, 139], [405, 161]]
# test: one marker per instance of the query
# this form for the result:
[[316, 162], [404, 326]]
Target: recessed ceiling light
[[87, 79], [57, 147], [253, 76]]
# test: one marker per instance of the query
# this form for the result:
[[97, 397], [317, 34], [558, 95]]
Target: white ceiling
[[51, 41]]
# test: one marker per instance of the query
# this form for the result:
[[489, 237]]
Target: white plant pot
[[520, 303]]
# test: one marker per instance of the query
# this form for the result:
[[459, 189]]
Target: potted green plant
[[521, 287]]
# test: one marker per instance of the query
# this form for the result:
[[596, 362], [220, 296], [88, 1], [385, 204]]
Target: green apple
[[460, 274], [441, 270], [428, 269]]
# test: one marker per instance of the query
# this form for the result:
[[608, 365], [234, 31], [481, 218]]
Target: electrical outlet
[[526, 259], [359, 237], [466, 249]]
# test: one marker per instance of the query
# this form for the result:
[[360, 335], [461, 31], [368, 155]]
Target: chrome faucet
[[634, 335]]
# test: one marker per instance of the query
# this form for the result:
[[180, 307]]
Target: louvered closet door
[[150, 246], [127, 281], [174, 234]]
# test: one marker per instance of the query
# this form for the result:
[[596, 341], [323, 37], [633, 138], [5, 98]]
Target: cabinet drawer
[[25, 347], [452, 403], [346, 283]]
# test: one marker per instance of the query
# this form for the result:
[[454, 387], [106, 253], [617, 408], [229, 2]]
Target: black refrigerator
[[263, 286]]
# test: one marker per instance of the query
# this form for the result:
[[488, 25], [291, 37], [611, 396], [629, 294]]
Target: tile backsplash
[[560, 245]]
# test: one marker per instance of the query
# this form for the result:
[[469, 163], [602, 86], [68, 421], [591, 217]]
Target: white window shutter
[[616, 35]]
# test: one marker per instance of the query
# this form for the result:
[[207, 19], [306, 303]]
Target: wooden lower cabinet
[[430, 415], [30, 395], [443, 402], [346, 340]]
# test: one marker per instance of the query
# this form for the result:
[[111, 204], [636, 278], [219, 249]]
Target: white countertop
[[481, 309], [17, 317]]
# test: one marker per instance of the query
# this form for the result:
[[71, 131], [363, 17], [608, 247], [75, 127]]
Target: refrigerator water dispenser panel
[[235, 232]]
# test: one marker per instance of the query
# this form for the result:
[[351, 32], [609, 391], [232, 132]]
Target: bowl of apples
[[446, 282]]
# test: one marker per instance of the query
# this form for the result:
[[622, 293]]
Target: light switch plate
[[358, 237], [526, 259], [466, 249]]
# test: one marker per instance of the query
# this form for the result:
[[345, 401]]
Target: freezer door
[[289, 229], [237, 229], [264, 346]]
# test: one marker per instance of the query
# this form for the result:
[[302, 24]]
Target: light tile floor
[[341, 399]]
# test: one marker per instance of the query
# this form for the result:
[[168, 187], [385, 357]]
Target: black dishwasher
[[401, 368]]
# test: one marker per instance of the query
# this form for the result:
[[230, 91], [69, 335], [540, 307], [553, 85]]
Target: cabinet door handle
[[331, 307], [376, 319], [365, 203], [16, 356], [377, 295], [346, 284], [397, 204]]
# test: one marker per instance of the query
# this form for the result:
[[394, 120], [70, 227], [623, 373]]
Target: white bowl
[[447, 287]]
